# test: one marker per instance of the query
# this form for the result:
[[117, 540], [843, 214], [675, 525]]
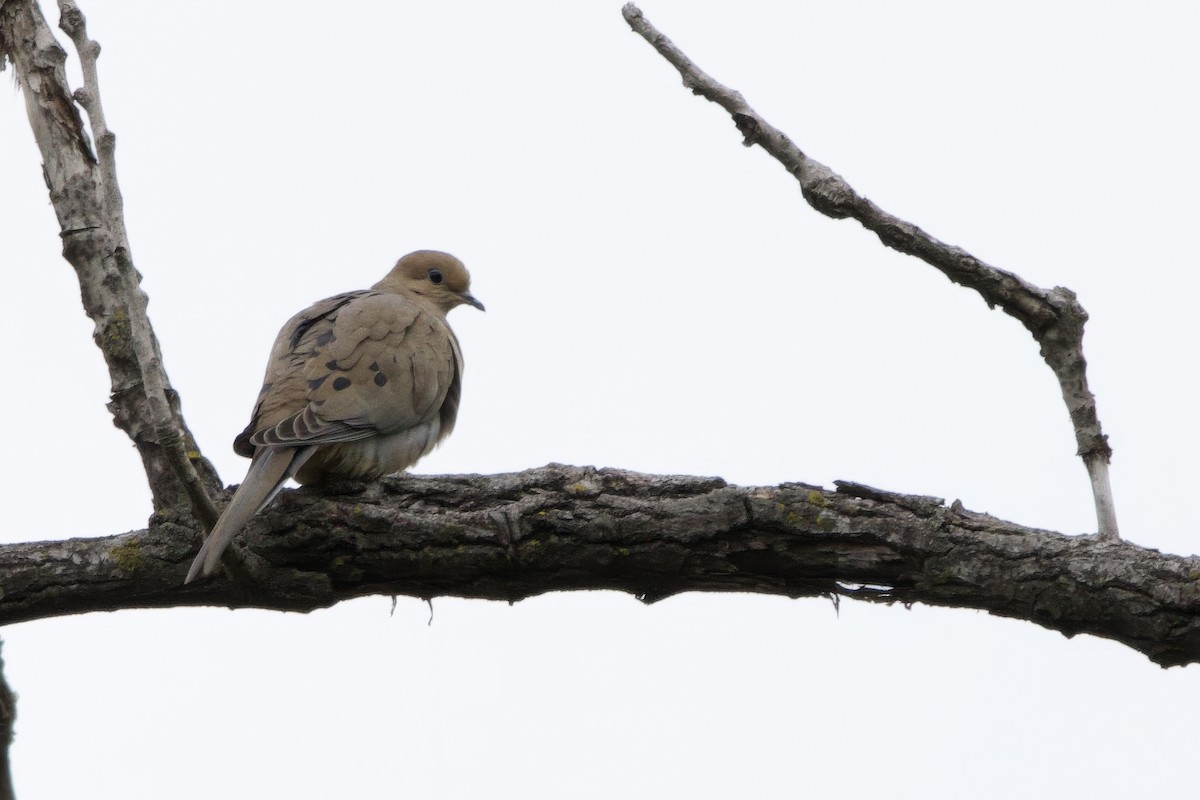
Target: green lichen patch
[[118, 334], [127, 556]]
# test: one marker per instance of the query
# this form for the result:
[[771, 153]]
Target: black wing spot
[[324, 339], [380, 379], [331, 364], [373, 366], [341, 383], [315, 384]]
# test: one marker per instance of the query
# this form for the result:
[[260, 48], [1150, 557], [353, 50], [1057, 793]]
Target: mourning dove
[[358, 385]]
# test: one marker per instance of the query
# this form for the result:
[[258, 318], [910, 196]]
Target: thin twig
[[1054, 316]]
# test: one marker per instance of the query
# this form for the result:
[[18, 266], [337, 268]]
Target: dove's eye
[[435, 276]]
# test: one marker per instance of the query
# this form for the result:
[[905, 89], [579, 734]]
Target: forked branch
[[1053, 316], [86, 198]]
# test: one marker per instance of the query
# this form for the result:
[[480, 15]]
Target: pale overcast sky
[[659, 299]]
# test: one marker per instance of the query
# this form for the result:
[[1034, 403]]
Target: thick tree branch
[[86, 198], [558, 528], [1053, 316]]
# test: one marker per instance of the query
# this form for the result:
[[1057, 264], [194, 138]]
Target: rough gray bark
[[559, 528], [1053, 316]]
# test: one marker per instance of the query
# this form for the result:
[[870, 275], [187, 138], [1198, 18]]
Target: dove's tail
[[269, 469]]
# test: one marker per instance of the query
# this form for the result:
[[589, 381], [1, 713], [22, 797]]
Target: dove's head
[[436, 277]]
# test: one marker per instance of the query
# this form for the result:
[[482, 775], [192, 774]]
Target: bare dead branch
[[87, 200], [560, 528], [1054, 316]]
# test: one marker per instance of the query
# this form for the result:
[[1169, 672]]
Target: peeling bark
[[561, 528]]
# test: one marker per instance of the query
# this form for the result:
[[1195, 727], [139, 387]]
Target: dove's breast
[[369, 459]]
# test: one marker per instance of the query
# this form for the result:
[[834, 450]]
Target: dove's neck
[[425, 301]]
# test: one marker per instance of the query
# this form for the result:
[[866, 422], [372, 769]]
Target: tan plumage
[[358, 385]]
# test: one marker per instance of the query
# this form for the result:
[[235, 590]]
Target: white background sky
[[660, 299]]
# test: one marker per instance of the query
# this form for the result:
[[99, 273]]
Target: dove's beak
[[470, 300]]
